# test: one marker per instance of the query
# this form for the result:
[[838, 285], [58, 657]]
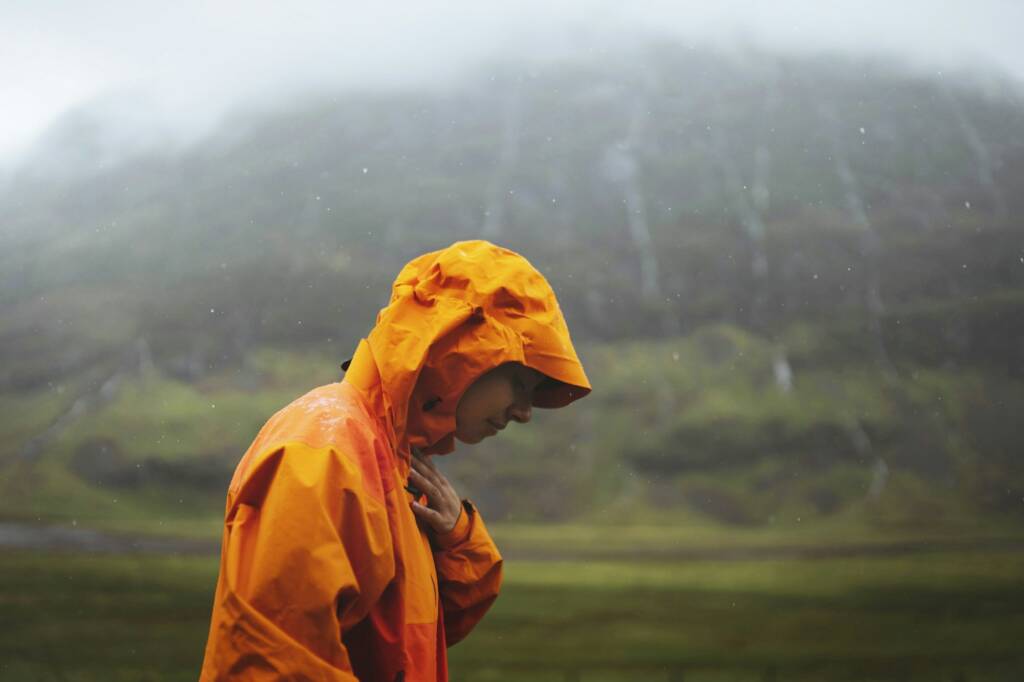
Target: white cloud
[[192, 59]]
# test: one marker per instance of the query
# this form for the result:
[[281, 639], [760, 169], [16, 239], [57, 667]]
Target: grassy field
[[936, 616]]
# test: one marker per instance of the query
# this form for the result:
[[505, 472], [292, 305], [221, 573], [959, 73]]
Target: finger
[[428, 515], [435, 476], [427, 470], [426, 460], [418, 464], [421, 464], [425, 484], [419, 477]]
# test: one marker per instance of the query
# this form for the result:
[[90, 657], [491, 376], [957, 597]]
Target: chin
[[469, 440]]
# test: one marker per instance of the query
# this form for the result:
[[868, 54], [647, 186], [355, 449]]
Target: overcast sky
[[184, 62]]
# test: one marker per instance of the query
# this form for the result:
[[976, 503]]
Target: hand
[[443, 504]]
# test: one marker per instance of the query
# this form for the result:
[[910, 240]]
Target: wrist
[[458, 532]]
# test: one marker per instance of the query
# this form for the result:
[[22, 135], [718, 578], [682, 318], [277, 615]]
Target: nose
[[520, 411]]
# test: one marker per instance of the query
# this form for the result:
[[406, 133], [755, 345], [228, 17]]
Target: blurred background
[[786, 237]]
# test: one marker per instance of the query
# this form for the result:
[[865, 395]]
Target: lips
[[496, 426]]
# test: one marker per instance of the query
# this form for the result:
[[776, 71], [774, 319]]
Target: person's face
[[501, 395]]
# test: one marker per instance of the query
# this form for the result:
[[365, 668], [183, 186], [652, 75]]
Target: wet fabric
[[325, 573]]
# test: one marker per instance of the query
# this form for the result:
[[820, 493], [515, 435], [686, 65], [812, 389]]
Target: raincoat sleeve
[[469, 573], [306, 552]]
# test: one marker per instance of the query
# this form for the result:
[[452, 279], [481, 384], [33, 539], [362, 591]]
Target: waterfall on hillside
[[870, 243], [983, 161], [622, 167]]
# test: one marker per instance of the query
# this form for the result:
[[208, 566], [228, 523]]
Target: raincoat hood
[[455, 314]]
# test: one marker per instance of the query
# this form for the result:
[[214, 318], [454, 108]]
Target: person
[[346, 554]]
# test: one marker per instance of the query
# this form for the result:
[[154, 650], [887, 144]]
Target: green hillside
[[797, 285]]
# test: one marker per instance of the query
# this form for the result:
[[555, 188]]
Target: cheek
[[483, 401], [469, 423], [497, 401], [468, 409]]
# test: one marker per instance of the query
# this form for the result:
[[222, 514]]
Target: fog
[[785, 237], [158, 73]]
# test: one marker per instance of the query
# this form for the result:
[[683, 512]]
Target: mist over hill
[[773, 265]]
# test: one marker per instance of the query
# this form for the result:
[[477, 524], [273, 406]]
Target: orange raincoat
[[325, 573]]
